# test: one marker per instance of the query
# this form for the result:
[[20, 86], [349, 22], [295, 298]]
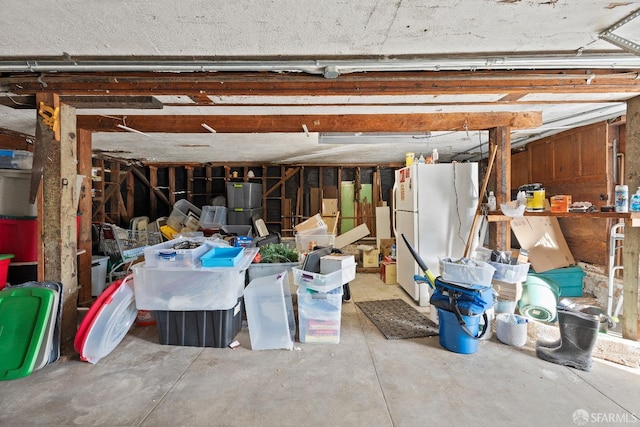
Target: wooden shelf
[[497, 216]]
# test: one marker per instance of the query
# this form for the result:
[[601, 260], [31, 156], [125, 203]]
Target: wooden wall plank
[[84, 208], [631, 250]]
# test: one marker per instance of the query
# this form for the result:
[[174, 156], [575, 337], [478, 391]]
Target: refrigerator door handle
[[394, 190]]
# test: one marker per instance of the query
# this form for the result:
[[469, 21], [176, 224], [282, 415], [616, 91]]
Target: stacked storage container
[[244, 199], [18, 217], [194, 305], [320, 298]]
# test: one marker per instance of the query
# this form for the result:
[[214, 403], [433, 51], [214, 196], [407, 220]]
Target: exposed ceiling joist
[[314, 123], [197, 85]]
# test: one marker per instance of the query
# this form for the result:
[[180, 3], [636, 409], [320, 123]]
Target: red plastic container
[[19, 237], [5, 259]]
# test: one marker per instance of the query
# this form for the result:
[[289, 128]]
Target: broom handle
[[485, 182]]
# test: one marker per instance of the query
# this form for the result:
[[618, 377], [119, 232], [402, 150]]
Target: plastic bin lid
[[112, 321], [56, 315], [42, 359], [81, 334], [24, 315], [6, 256]]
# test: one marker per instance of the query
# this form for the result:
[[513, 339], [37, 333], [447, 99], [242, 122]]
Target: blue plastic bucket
[[453, 337]]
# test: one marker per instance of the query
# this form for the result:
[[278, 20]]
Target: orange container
[[560, 203]]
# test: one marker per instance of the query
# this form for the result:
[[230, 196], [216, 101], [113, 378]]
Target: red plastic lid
[[81, 335]]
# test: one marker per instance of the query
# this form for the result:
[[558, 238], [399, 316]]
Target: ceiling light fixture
[[207, 127], [377, 137]]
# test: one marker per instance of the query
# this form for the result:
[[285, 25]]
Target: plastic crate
[[19, 236], [180, 216], [14, 194], [208, 328], [269, 311], [324, 282], [184, 289], [245, 195], [165, 254], [470, 272], [319, 315], [16, 159], [242, 216], [510, 273], [213, 217]]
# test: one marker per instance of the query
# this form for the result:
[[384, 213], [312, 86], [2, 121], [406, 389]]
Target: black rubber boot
[[578, 334]]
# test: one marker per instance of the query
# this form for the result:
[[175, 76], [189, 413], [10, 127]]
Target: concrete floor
[[366, 380]]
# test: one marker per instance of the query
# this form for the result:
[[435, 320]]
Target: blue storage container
[[222, 257]]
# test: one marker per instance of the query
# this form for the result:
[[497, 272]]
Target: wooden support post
[[631, 250], [189, 170], [172, 185], [84, 209], [59, 218], [209, 184], [114, 203], [130, 195], [153, 184], [500, 232]]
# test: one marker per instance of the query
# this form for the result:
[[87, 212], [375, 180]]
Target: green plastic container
[[539, 298], [569, 279], [24, 316]]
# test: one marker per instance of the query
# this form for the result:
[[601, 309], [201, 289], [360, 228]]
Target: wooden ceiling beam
[[314, 123], [198, 85]]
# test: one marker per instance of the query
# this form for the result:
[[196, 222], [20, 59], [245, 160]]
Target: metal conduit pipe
[[329, 68]]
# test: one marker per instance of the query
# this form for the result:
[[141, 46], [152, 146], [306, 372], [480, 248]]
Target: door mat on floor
[[397, 320]]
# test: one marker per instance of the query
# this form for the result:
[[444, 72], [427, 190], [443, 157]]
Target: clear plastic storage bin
[[324, 282], [166, 255], [319, 315], [182, 211], [269, 310], [183, 289], [14, 194], [510, 273], [213, 217], [16, 159], [269, 269], [305, 240], [467, 271]]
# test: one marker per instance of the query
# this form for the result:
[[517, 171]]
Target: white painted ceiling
[[317, 37]]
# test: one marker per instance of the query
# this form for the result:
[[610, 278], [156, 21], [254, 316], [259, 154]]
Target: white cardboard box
[[335, 262]]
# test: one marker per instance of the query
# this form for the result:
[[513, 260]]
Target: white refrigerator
[[433, 206]]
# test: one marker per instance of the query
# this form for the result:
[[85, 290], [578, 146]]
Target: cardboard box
[[312, 223], [385, 246], [370, 258], [542, 237], [388, 272], [560, 203]]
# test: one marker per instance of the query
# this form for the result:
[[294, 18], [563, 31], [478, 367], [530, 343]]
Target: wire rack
[[124, 246]]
